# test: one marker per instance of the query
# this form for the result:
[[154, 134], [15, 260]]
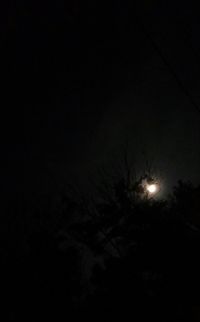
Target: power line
[[168, 65]]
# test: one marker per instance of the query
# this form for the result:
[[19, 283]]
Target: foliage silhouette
[[149, 249], [114, 253]]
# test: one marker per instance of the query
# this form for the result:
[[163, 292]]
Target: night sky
[[81, 80]]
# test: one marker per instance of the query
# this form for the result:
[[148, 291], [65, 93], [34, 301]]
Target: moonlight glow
[[152, 188]]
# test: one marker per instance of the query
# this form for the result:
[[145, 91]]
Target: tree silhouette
[[148, 248], [117, 250]]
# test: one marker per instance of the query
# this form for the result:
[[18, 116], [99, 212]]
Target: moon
[[152, 188]]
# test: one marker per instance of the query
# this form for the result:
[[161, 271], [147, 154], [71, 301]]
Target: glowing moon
[[152, 188]]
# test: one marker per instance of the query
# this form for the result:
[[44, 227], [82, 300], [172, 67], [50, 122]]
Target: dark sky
[[82, 79]]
